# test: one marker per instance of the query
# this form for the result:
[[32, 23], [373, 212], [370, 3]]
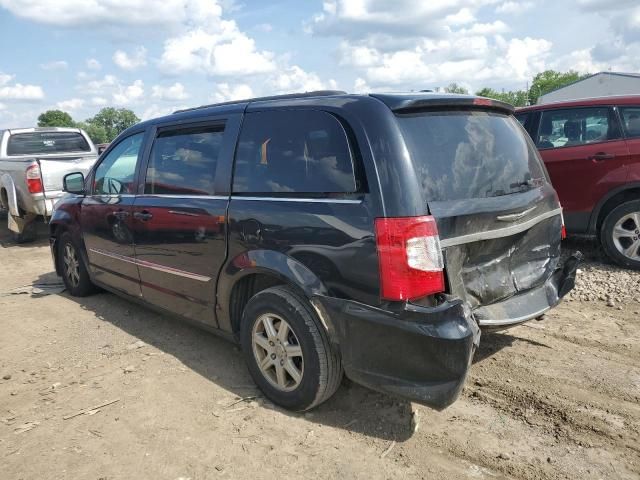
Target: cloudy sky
[[154, 56]]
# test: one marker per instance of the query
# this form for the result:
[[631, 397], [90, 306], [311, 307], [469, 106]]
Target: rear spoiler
[[417, 102]]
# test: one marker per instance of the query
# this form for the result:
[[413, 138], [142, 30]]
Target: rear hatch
[[57, 153], [498, 216]]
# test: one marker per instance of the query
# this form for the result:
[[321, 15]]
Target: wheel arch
[[613, 199], [252, 272]]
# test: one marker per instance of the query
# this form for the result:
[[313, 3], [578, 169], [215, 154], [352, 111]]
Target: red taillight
[[563, 232], [34, 180], [411, 263]]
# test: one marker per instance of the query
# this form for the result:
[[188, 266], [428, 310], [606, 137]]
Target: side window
[[576, 126], [293, 151], [523, 118], [183, 161], [116, 173], [631, 121]]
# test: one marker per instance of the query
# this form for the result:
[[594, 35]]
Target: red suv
[[591, 149]]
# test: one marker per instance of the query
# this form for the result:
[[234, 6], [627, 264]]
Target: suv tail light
[[411, 263], [34, 180]]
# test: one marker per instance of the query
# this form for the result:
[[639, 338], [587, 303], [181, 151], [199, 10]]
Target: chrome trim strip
[[512, 321], [174, 271], [296, 199], [115, 256], [512, 217], [500, 232], [197, 197], [151, 265]]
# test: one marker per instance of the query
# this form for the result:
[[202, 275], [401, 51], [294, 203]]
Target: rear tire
[[74, 271], [620, 235], [299, 369], [28, 234]]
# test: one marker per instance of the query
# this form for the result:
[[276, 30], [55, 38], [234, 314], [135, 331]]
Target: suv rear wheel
[[287, 350], [74, 271], [620, 234]]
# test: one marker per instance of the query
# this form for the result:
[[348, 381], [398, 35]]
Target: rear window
[[470, 154], [42, 143], [293, 152]]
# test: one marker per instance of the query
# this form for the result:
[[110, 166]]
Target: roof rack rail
[[316, 93]]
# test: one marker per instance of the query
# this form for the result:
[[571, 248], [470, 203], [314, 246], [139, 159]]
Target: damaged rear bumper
[[424, 353], [533, 303], [420, 353]]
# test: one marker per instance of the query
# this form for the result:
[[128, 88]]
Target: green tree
[[55, 118], [96, 132], [113, 121], [455, 88], [517, 98], [550, 80]]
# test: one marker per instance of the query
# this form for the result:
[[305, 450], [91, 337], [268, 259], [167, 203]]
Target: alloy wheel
[[626, 235], [71, 265], [277, 352]]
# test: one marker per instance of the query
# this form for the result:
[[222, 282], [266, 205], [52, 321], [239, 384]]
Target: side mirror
[[73, 183]]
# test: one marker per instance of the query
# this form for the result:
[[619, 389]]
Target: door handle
[[598, 157], [144, 215]]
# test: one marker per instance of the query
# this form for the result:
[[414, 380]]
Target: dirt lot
[[552, 399]]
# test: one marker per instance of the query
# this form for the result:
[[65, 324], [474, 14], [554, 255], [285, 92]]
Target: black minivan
[[326, 232]]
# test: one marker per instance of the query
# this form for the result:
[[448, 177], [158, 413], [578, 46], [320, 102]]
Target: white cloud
[[2, 106], [126, 61], [461, 17], [116, 12], [515, 8], [225, 92], [295, 79], [170, 93], [55, 65], [5, 78], [155, 111], [93, 64], [111, 90], [99, 101], [129, 94], [364, 19], [99, 86], [228, 51], [18, 91], [71, 104]]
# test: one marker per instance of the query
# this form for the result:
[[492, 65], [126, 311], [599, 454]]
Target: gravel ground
[[556, 399]]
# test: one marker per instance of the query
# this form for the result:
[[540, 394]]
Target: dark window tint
[[183, 162], [631, 121], [468, 154], [42, 143], [523, 118], [116, 173], [576, 126], [293, 151]]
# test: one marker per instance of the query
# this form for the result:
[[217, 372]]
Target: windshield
[[42, 143], [470, 154]]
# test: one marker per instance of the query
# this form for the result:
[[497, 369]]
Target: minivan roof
[[397, 102], [585, 102]]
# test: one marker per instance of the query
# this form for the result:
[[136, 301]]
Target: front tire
[[287, 350], [620, 235], [74, 271]]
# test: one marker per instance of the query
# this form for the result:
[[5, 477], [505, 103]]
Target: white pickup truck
[[33, 162]]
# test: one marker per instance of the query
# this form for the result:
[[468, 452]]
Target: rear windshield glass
[[41, 143], [470, 154]]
